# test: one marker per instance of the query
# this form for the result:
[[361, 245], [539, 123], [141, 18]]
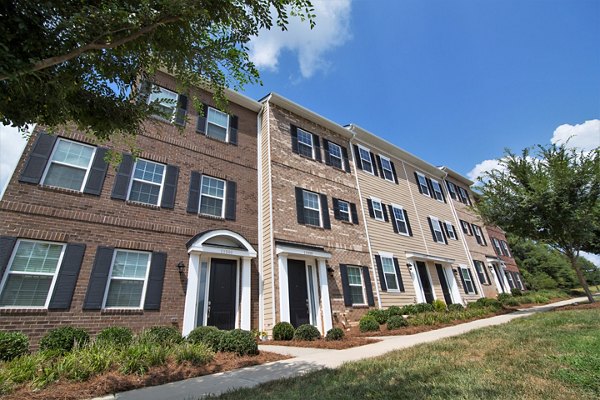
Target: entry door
[[444, 283], [298, 290], [500, 278], [221, 295], [425, 282]]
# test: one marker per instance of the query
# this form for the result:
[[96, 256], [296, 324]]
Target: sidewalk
[[309, 359]]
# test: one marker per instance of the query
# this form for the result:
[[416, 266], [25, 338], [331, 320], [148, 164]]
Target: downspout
[[261, 252]]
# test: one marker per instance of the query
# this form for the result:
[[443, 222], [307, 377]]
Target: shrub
[[512, 302], [162, 335], [395, 322], [335, 334], [394, 310], [307, 332], [64, 338], [526, 299], [368, 324], [485, 302], [539, 299], [381, 316], [455, 307], [117, 335], [409, 309], [502, 297], [140, 356], [83, 363], [209, 335], [194, 353], [13, 345], [283, 331], [238, 341], [439, 305], [424, 307], [516, 292]]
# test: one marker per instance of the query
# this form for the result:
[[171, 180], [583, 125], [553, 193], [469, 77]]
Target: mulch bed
[[113, 382], [345, 343], [579, 306]]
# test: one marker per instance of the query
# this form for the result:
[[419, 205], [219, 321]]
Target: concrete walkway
[[310, 359]]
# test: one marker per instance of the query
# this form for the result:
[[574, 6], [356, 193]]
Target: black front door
[[425, 282], [298, 293], [221, 295], [444, 283]]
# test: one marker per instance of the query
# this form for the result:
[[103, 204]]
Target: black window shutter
[[398, 274], [368, 286], [38, 158], [317, 144], [97, 173], [472, 281], [380, 273], [455, 232], [194, 193], [445, 228], [382, 175], [326, 152], [410, 232], [156, 278], [170, 189], [201, 124], [98, 279], [449, 186], [346, 160], [374, 164], [121, 185], [483, 238], [394, 172], [67, 277], [7, 243], [385, 213], [294, 134], [354, 213], [336, 208], [487, 276], [345, 285], [300, 205], [394, 225], [443, 195], [444, 235], [468, 198], [370, 207], [181, 110], [462, 280], [418, 184], [431, 227], [233, 130], [430, 186], [230, 202], [325, 212], [357, 159]]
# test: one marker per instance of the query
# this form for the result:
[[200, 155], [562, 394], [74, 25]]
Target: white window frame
[[378, 201], [87, 170], [213, 197], [520, 282], [477, 232], [162, 183], [304, 192], [349, 213], [450, 229], [401, 209], [8, 271], [452, 189], [505, 248], [383, 161], [463, 195], [477, 263], [435, 221], [341, 156], [423, 185], [464, 224], [208, 111], [312, 144], [466, 279], [371, 169], [110, 278], [497, 246], [390, 257], [440, 191], [362, 285], [148, 101], [510, 279]]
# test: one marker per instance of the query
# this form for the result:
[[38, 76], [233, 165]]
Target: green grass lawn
[[554, 355]]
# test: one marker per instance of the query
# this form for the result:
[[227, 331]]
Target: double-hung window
[[389, 272], [127, 280], [452, 190], [69, 165], [312, 208], [164, 100], [305, 143], [466, 227], [496, 244], [450, 230], [422, 182], [147, 182], [437, 190], [469, 284], [519, 281], [437, 230], [480, 268], [356, 285], [505, 250], [212, 196], [478, 234], [400, 220], [464, 196], [386, 167], [365, 159], [217, 124], [378, 209], [336, 157], [344, 211], [511, 283], [31, 274]]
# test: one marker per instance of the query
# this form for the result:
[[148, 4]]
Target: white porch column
[[191, 294], [419, 295], [245, 309], [284, 296], [325, 303]]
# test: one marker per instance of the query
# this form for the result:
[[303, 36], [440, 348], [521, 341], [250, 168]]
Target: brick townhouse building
[[166, 238]]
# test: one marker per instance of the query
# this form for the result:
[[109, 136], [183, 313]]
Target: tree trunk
[[582, 280]]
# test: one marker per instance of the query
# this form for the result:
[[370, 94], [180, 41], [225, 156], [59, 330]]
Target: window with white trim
[[356, 285], [452, 190], [400, 220], [217, 124], [365, 159], [335, 155], [312, 208], [437, 230], [377, 209], [519, 281], [69, 165], [478, 234], [464, 196], [496, 244], [389, 273], [127, 279], [344, 211], [422, 182], [305, 143], [31, 274], [466, 227], [165, 101], [212, 196], [469, 284], [437, 190], [509, 277], [480, 268], [386, 167], [450, 230], [147, 182], [505, 250]]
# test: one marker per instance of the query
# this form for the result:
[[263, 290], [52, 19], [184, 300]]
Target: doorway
[[298, 293], [444, 283], [425, 281], [222, 294]]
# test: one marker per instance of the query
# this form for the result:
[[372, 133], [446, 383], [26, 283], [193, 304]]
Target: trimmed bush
[[424, 307], [439, 305], [307, 332], [334, 334], [13, 345], [64, 338], [516, 292], [368, 324], [162, 335], [381, 316], [396, 322], [502, 297], [283, 331], [209, 335], [409, 309], [117, 335], [455, 307], [238, 341], [394, 310], [194, 353]]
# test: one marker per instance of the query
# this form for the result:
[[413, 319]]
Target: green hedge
[[396, 322], [368, 324], [334, 334], [238, 341], [64, 339], [13, 345], [117, 335], [283, 331]]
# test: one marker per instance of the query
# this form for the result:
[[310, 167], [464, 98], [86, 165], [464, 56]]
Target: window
[[305, 143], [378, 210], [344, 211], [147, 182], [496, 244], [312, 208], [166, 101], [127, 279], [31, 274], [452, 190], [356, 286], [437, 230], [450, 230], [400, 220], [69, 165], [466, 277], [389, 272], [212, 196], [335, 155], [505, 248], [437, 190], [464, 196], [386, 167], [478, 234], [519, 281], [480, 268], [365, 159], [466, 227], [511, 283], [422, 182], [217, 124]]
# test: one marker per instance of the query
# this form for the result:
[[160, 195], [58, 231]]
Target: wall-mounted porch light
[[181, 267]]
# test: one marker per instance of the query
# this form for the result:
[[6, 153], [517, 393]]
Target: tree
[[552, 197], [81, 62]]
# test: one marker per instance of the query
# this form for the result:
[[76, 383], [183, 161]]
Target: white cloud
[[331, 30], [484, 166], [584, 136], [12, 145], [594, 258]]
